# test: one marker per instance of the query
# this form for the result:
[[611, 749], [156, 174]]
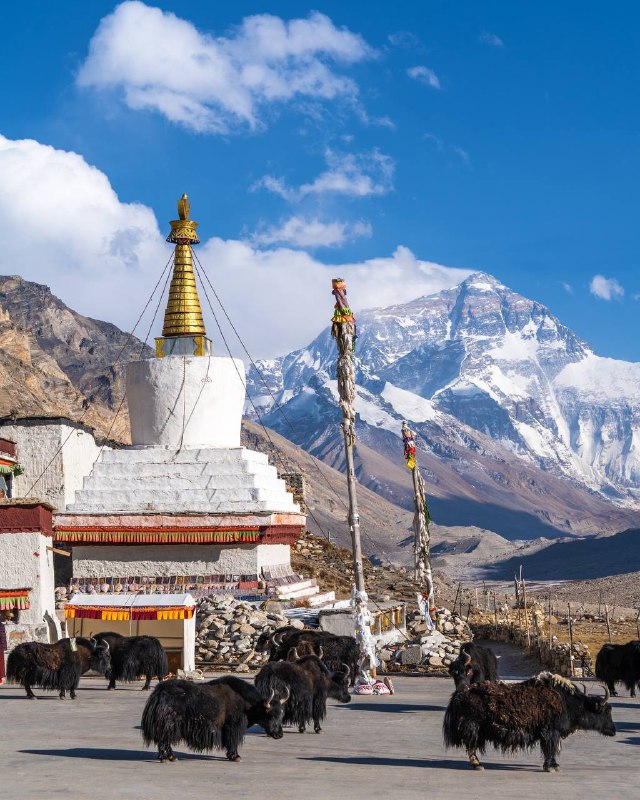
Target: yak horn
[[295, 654], [347, 668], [271, 696], [584, 688], [321, 653], [468, 659], [607, 695], [283, 700]]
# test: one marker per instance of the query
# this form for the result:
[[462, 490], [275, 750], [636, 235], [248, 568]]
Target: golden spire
[[183, 316]]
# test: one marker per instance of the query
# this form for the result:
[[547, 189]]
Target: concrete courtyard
[[375, 747]]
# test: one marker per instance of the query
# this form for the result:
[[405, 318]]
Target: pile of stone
[[62, 596], [309, 545], [227, 631], [428, 651]]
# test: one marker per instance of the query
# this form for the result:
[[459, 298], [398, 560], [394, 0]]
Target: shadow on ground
[[106, 754], [396, 708], [433, 763]]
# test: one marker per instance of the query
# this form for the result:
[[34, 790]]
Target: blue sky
[[493, 136]]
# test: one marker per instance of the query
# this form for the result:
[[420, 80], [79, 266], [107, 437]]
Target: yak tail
[[167, 719], [152, 661], [163, 664], [453, 724]]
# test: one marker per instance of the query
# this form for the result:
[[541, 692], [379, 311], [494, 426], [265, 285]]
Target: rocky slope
[[54, 361], [523, 429]]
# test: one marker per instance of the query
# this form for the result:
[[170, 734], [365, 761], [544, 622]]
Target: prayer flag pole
[[344, 331], [422, 536]]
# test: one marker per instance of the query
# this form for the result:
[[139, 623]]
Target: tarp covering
[[130, 607]]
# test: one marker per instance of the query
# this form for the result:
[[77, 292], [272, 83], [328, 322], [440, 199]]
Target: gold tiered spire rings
[[183, 316]]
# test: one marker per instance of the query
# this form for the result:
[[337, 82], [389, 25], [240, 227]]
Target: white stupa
[[186, 506]]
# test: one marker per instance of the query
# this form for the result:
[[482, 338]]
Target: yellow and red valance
[[125, 614], [185, 536], [14, 599]]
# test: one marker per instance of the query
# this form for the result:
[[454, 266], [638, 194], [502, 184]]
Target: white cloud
[[103, 256], [215, 84], [605, 288], [350, 174], [491, 39], [302, 232], [567, 287], [425, 75]]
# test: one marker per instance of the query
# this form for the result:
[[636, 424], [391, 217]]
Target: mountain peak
[[482, 281]]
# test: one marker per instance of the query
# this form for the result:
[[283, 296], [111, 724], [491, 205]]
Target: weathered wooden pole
[[422, 536], [526, 613], [608, 622], [570, 641], [344, 331]]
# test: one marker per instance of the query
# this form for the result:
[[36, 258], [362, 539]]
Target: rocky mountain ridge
[[54, 361], [514, 412]]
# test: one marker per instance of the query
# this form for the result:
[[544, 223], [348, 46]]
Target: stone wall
[[553, 655], [296, 484]]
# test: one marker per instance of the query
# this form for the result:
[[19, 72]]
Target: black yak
[[209, 716], [56, 666], [133, 656], [337, 650], [309, 682], [475, 664], [619, 663], [544, 709]]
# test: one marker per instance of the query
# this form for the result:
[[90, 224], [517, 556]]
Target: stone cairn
[[227, 632], [429, 652]]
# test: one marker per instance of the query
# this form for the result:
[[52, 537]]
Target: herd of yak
[[305, 668]]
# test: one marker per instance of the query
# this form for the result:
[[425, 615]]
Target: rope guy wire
[[112, 367]]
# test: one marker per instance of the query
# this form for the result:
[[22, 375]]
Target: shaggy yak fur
[[619, 663], [58, 666], [309, 682], [475, 664], [544, 709], [209, 716], [337, 650], [133, 656]]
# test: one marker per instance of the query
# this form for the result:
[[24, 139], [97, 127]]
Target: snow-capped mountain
[[486, 377]]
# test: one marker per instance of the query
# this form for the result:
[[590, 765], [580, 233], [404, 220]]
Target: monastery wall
[[38, 443], [79, 454], [25, 563], [191, 559]]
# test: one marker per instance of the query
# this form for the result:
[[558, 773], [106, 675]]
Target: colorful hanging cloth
[[14, 599]]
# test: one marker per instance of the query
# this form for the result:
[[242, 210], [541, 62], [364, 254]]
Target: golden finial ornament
[[183, 316]]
